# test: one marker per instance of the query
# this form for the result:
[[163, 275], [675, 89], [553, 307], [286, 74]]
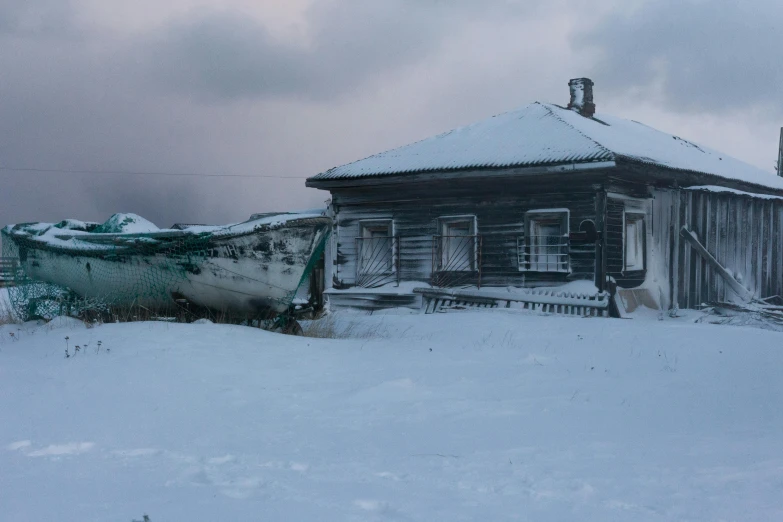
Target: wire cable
[[143, 173]]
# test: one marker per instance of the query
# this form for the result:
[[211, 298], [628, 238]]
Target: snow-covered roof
[[546, 134]]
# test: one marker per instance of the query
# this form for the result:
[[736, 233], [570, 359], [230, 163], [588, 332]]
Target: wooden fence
[[546, 300]]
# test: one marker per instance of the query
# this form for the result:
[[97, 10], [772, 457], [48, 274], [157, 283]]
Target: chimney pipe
[[582, 96], [780, 154]]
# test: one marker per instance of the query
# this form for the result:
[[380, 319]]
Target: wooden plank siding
[[742, 232], [499, 207]]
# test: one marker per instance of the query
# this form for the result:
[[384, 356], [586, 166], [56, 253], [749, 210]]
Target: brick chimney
[[582, 96]]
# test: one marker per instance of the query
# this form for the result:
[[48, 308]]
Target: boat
[[251, 269]]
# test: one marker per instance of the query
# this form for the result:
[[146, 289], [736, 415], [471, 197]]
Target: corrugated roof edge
[[717, 189], [482, 168], [764, 189], [585, 165]]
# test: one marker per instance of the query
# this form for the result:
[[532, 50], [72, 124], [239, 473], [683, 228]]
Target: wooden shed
[[548, 195]]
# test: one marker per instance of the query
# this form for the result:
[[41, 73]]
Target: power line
[[141, 173]]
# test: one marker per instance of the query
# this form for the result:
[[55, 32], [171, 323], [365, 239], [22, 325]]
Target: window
[[545, 245], [376, 247], [634, 242], [457, 244]]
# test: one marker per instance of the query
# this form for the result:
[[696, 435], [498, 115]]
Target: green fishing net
[[130, 277]]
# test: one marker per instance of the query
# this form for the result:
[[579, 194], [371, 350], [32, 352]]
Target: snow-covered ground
[[487, 416]]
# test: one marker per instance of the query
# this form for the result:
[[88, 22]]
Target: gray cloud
[[38, 18], [147, 196], [694, 55], [73, 98], [222, 55], [67, 108]]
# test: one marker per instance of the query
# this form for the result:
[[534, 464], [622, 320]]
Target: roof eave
[[463, 173], [685, 178]]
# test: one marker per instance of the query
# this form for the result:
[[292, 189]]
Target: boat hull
[[253, 273]]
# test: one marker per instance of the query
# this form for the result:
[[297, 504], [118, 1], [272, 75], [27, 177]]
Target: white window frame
[[524, 254], [444, 222], [641, 236], [364, 228]]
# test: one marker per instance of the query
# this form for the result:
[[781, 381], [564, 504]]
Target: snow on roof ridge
[[548, 106]]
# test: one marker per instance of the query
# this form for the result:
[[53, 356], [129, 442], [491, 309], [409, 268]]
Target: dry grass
[[328, 326], [716, 315], [342, 326]]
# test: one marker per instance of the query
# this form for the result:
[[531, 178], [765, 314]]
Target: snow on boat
[[252, 268]]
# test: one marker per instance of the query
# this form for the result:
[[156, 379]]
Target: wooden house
[[548, 195]]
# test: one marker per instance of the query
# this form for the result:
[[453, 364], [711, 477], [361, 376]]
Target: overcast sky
[[289, 88]]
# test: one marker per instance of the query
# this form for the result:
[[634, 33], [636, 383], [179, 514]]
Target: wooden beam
[[735, 285], [600, 246]]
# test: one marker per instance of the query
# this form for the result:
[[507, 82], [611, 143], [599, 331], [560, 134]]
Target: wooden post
[[433, 266], [674, 260], [398, 256], [480, 245], [691, 238], [600, 245], [780, 154]]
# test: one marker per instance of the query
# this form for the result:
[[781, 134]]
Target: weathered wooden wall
[[744, 233], [499, 206]]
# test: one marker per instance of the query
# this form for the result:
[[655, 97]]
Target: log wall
[[499, 206]]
